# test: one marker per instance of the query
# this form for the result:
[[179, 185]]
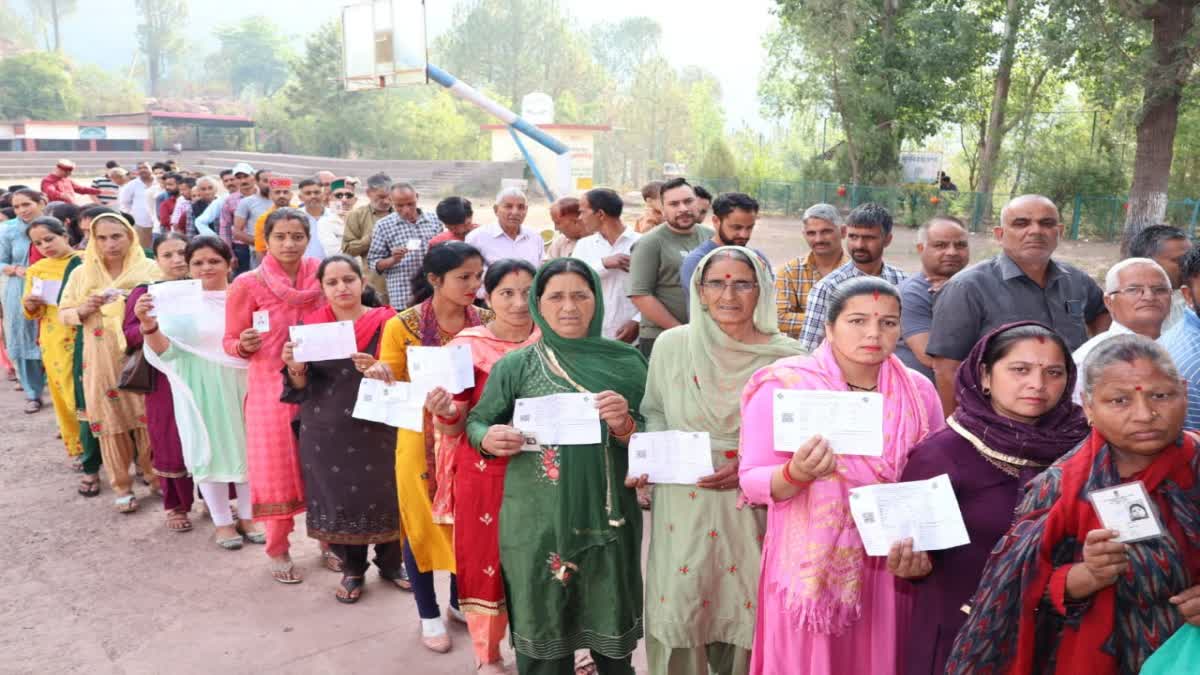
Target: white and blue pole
[[514, 121]]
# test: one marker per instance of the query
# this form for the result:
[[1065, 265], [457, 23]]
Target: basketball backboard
[[383, 44]]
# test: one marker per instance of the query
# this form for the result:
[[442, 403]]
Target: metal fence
[[1086, 216]]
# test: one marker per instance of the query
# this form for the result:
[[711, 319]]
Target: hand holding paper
[[680, 457], [558, 419], [46, 290], [852, 422], [925, 511]]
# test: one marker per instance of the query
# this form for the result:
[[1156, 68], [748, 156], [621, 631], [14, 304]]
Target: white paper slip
[[262, 321], [558, 419], [925, 510], [397, 405], [177, 298], [679, 457], [46, 289], [851, 421], [1128, 510], [412, 245], [447, 367], [323, 341]]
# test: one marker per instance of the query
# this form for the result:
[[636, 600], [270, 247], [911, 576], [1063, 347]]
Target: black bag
[[137, 375]]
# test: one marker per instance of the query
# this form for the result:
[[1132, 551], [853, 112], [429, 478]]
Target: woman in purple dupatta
[[1015, 417]]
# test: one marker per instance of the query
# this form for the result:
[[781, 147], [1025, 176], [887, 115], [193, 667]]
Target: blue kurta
[[20, 334]]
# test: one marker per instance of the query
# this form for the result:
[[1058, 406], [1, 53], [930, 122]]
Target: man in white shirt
[[608, 252], [508, 237], [132, 199]]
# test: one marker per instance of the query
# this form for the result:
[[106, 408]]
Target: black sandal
[[399, 580], [89, 485], [351, 585]]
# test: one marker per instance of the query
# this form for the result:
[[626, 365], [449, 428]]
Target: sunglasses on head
[[343, 195]]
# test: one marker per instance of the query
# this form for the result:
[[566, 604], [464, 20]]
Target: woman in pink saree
[[824, 607]]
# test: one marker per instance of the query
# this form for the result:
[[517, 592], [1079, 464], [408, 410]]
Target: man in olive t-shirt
[[654, 284]]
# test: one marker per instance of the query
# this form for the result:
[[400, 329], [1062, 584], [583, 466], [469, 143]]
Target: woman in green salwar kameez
[[570, 531]]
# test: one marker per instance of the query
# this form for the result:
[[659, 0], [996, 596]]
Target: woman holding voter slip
[[475, 488], [1100, 567], [570, 531], [20, 333], [43, 281], [1013, 420], [444, 291], [113, 265], [705, 546], [207, 388], [348, 464], [824, 606], [261, 306], [178, 490]]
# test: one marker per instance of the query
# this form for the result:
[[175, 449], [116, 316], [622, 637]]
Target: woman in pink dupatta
[[470, 487], [824, 607], [285, 286]]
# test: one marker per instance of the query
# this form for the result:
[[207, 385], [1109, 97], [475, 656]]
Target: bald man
[[1021, 283]]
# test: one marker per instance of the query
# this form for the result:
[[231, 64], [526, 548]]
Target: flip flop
[[231, 544], [331, 562], [89, 485], [127, 504], [398, 580], [350, 584], [252, 537], [178, 518], [284, 572]]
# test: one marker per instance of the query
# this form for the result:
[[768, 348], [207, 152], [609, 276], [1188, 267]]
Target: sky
[[728, 44]]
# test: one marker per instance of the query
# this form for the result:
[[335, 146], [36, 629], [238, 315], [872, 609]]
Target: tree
[[621, 46], [102, 92], [52, 12], [37, 86], [159, 37], [253, 53], [718, 162]]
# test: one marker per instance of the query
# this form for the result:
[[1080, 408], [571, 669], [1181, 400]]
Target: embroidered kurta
[[57, 343]]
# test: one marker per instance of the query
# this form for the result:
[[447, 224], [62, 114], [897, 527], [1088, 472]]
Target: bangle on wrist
[[787, 476], [629, 426], [152, 331], [449, 421]]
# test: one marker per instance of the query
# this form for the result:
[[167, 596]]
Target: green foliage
[[159, 37], [102, 92], [1063, 162], [38, 86], [718, 162], [253, 53]]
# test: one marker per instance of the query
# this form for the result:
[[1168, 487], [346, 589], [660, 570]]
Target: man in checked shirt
[[823, 232], [399, 243]]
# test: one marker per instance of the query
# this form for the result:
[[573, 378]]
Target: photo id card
[[1127, 509], [262, 321]]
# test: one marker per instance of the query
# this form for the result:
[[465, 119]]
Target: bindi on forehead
[[1041, 339], [1137, 387]]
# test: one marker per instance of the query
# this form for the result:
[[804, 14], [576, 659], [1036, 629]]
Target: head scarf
[[591, 474], [1055, 432], [92, 277], [822, 579]]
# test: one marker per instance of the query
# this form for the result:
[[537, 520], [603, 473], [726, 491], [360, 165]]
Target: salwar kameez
[[20, 333], [90, 456], [57, 344], [276, 486]]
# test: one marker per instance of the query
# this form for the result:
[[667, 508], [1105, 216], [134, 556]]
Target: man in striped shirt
[[1182, 341]]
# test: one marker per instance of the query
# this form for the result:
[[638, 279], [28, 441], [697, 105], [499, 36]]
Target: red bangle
[[631, 426], [151, 331], [447, 421], [787, 476]]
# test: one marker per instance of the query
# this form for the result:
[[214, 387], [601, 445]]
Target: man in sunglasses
[[332, 224]]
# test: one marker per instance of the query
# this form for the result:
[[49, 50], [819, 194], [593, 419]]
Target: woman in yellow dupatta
[[56, 340], [113, 264]]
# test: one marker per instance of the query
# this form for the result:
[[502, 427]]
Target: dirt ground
[[88, 589]]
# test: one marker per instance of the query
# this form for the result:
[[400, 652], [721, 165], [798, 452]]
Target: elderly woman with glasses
[[1068, 593]]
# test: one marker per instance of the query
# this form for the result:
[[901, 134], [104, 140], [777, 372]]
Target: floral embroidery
[[98, 332], [749, 605], [692, 494], [731, 454], [143, 419], [684, 569], [95, 426], [111, 393], [712, 534], [733, 569], [560, 569], [550, 464], [490, 571], [481, 465], [706, 603], [486, 519]]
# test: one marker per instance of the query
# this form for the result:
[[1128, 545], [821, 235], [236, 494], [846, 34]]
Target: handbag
[[137, 375]]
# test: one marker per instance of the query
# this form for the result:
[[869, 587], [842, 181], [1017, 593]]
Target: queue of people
[[1020, 379]]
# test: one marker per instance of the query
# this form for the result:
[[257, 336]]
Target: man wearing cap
[[58, 186], [281, 198], [332, 225], [132, 200], [243, 174], [823, 232]]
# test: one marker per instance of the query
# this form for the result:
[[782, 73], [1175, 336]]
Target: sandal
[[126, 504], [331, 562], [89, 485], [584, 665], [351, 590], [285, 572], [439, 642], [250, 535], [77, 465], [32, 406], [399, 580], [177, 521], [231, 544]]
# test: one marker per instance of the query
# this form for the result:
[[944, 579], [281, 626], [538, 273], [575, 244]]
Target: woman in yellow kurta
[[445, 293], [56, 340]]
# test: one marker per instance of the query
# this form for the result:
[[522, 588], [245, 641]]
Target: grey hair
[[379, 181], [402, 185], [1025, 198], [1113, 278], [923, 231], [211, 180], [511, 192], [1124, 349], [826, 212]]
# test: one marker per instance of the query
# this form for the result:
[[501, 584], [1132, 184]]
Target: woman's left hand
[[724, 478], [903, 562], [143, 308], [439, 402], [1188, 604], [289, 357], [613, 407], [362, 361]]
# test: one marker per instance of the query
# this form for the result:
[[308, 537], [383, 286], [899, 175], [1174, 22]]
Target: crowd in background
[[1019, 377]]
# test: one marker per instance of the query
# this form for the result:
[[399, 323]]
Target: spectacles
[[739, 287], [1135, 292], [343, 195]]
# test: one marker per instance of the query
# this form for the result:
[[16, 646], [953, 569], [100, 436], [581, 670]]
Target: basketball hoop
[[383, 44]]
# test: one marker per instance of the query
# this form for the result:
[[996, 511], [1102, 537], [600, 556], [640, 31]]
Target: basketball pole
[[514, 121]]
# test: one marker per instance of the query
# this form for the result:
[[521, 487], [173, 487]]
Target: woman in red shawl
[[470, 486], [348, 464], [1060, 594]]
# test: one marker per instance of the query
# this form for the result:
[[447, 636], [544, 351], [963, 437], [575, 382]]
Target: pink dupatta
[[486, 350], [819, 563]]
